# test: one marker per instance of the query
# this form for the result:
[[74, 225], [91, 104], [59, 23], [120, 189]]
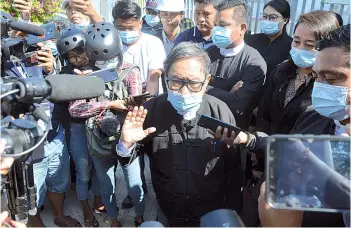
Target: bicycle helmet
[[70, 39], [102, 42]]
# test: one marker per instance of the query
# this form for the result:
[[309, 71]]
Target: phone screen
[[308, 172], [108, 75]]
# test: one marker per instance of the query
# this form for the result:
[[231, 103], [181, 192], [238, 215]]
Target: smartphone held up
[[308, 173]]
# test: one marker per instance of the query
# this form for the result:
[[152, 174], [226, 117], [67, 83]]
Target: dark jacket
[[273, 117], [247, 66], [274, 52], [189, 170]]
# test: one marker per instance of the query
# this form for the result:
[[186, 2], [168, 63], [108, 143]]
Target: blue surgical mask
[[330, 101], [129, 37], [107, 64], [303, 58], [152, 20], [221, 36], [269, 27], [82, 26], [184, 104]]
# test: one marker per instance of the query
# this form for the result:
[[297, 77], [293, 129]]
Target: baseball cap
[[152, 4], [65, 4]]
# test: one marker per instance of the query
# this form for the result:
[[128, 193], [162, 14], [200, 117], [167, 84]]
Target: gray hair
[[188, 50]]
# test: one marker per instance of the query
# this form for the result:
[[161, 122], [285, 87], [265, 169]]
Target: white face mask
[[107, 64]]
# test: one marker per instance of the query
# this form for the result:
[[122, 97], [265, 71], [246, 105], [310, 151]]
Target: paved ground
[[72, 205]]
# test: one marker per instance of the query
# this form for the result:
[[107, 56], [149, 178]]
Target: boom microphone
[[26, 28], [58, 88]]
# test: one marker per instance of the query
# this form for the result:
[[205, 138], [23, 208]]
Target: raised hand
[[25, 7], [132, 130]]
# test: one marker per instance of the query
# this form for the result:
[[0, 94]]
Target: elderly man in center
[[190, 170]]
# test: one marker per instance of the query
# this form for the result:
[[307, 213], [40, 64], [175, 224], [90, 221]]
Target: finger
[[128, 116], [77, 71], [87, 72], [134, 114], [348, 129], [45, 54], [6, 164], [218, 133], [142, 119], [225, 134], [21, 7], [18, 224], [149, 131], [43, 59], [3, 216]]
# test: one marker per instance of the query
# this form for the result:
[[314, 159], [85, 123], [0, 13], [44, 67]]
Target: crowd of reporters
[[267, 83]]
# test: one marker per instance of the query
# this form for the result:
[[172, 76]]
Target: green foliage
[[42, 10]]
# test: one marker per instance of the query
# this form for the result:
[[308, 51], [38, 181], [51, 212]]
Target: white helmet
[[171, 5]]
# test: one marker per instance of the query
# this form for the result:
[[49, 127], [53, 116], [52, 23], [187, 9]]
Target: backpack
[[100, 144]]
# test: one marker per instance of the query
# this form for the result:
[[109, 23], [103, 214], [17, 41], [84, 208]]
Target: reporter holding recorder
[[329, 114], [190, 170]]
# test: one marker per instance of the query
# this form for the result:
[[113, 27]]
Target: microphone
[[221, 218], [26, 28], [58, 88]]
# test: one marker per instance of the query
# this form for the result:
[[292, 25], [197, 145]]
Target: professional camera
[[22, 50]]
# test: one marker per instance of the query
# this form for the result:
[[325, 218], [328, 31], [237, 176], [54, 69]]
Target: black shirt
[[247, 66], [274, 52], [274, 117], [189, 169]]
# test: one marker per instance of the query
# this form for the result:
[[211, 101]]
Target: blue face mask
[[221, 36], [82, 26], [129, 37], [269, 27], [303, 58], [152, 20], [184, 104], [330, 101]]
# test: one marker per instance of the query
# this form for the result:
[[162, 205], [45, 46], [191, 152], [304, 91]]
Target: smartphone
[[108, 75], [306, 172], [51, 32], [212, 124], [31, 59]]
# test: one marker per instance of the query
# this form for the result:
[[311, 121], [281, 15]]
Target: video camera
[[17, 50]]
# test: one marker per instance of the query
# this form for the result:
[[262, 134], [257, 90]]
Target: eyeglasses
[[177, 85], [270, 17]]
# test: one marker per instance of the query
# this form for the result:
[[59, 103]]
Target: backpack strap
[[126, 72]]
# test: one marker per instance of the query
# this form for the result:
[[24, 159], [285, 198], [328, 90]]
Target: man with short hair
[[205, 18], [238, 69], [189, 170], [139, 48], [171, 13]]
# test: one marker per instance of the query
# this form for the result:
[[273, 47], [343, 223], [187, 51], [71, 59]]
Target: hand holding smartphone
[[308, 173]]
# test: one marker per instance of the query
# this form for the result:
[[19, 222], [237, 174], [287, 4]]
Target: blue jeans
[[82, 161], [106, 169], [52, 173]]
